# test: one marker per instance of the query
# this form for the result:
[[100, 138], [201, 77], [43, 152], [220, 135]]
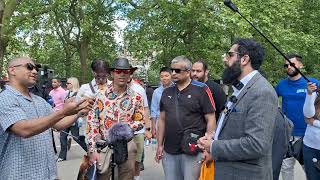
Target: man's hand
[[148, 134], [312, 87], [204, 143], [206, 157], [72, 107], [309, 120], [87, 108], [159, 153], [94, 157]]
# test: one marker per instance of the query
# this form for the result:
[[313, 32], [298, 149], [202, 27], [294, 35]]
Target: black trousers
[[64, 141]]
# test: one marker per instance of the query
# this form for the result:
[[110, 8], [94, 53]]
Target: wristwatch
[[148, 129]]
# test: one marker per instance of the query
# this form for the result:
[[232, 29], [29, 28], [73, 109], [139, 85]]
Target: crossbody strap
[[91, 87]]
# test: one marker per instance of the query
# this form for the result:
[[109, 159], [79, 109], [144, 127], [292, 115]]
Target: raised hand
[[312, 87], [74, 107]]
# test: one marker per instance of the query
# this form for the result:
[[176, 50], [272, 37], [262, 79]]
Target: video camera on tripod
[[43, 85]]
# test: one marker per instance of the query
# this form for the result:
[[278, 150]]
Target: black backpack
[[283, 128]]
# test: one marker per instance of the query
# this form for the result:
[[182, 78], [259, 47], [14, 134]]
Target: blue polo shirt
[[293, 95]]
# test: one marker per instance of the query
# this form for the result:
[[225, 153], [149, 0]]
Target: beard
[[293, 73], [201, 78], [231, 73]]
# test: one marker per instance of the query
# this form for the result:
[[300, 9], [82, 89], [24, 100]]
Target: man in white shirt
[[99, 83], [139, 136]]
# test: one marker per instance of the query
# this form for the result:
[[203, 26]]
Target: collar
[[18, 93], [171, 84], [110, 94], [245, 81]]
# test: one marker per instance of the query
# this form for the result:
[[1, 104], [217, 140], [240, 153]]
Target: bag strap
[[91, 87]]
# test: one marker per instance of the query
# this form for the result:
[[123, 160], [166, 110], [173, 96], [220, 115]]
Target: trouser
[[287, 168], [64, 141], [126, 169], [181, 166], [139, 140], [311, 171]]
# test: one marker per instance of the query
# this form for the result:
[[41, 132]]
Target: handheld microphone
[[231, 5]]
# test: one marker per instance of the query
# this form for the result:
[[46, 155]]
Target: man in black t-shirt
[[187, 105], [200, 73]]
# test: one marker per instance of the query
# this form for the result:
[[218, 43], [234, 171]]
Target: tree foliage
[[68, 34], [205, 29]]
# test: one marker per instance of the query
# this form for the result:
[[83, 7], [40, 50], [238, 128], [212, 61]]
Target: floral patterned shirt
[[110, 108]]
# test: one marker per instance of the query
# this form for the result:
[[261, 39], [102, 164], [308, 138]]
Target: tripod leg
[[53, 143], [112, 167]]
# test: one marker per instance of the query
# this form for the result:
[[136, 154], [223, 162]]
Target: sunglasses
[[178, 70], [68, 83], [125, 71], [287, 65], [29, 66]]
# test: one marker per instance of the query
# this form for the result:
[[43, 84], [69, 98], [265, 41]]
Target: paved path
[[68, 170]]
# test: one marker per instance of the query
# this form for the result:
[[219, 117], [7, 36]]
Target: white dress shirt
[[236, 92]]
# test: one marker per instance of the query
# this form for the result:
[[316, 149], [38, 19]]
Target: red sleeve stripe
[[210, 97]]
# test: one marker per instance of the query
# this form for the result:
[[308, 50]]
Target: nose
[[225, 58], [34, 71]]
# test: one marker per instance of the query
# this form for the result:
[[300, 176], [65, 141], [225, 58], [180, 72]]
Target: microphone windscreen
[[119, 132], [230, 4]]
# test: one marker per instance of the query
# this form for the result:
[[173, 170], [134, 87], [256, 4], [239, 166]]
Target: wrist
[[148, 129], [61, 114]]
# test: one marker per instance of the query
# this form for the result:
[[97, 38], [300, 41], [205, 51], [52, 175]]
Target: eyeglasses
[[230, 54], [287, 65], [68, 83], [98, 77], [178, 70], [29, 66], [119, 71]]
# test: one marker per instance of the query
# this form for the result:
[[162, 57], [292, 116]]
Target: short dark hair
[[294, 55], [203, 62], [165, 69], [100, 65], [253, 49], [57, 78]]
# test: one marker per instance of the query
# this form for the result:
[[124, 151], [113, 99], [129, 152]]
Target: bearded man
[[241, 147], [293, 91]]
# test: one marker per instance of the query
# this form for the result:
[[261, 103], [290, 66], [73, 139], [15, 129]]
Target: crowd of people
[[194, 121]]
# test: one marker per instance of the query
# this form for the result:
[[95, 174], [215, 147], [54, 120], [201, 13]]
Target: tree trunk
[[83, 51], [3, 46], [67, 62]]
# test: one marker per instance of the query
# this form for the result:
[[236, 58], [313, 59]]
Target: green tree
[[13, 13], [206, 28]]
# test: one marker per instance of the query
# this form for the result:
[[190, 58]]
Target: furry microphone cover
[[119, 132]]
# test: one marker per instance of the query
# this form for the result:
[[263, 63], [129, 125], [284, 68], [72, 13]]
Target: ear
[[244, 60], [300, 65], [11, 71], [206, 72]]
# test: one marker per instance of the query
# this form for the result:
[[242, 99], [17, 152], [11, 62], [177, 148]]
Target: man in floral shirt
[[118, 104]]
